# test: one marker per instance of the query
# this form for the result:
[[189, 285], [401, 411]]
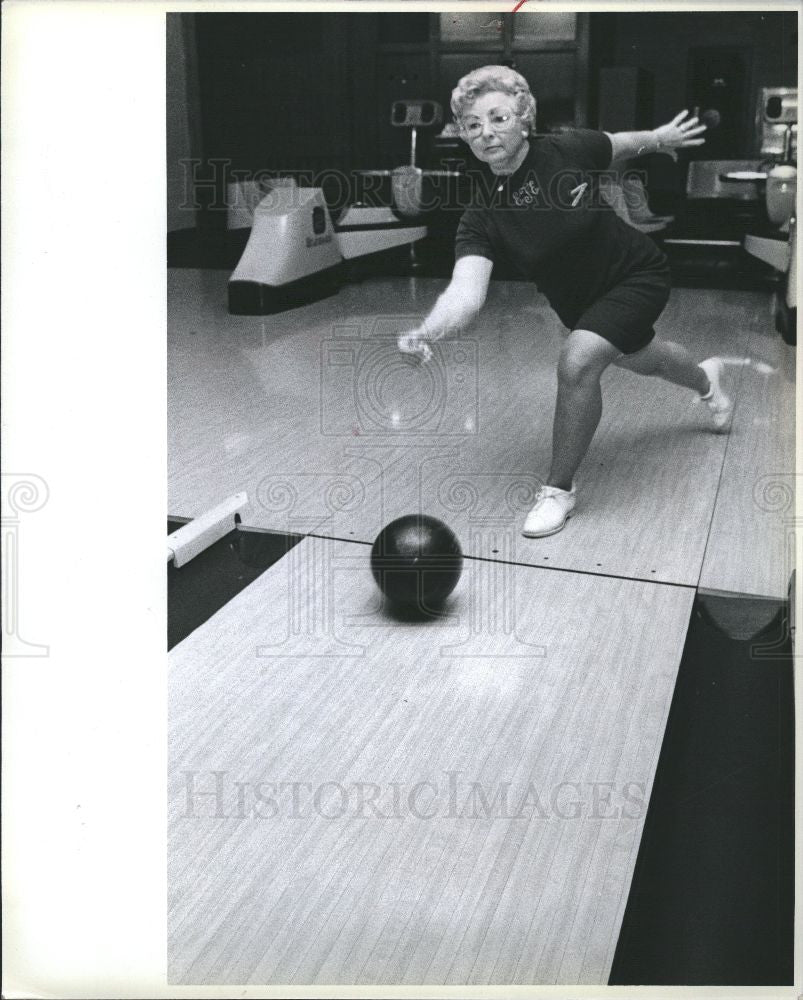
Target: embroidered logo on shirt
[[526, 194]]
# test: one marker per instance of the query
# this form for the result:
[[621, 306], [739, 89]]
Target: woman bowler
[[606, 281]]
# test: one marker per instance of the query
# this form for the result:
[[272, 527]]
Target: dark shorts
[[624, 315]]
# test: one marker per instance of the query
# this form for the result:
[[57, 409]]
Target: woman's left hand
[[679, 133]]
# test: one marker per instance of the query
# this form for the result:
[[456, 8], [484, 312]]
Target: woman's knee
[[583, 359]]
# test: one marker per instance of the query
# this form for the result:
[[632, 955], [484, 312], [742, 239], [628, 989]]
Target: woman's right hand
[[416, 343]]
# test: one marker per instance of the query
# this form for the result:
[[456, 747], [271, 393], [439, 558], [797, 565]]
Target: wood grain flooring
[[329, 430], [357, 799], [750, 546]]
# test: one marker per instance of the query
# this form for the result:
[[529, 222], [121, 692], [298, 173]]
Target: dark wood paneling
[[662, 42], [274, 88]]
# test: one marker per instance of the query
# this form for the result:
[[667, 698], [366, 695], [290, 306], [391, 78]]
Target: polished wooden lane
[[750, 547], [355, 798], [315, 414]]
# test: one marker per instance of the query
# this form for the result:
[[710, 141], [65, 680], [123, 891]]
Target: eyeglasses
[[500, 121]]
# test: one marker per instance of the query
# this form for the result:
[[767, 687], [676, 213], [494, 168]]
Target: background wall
[[662, 43], [181, 114]]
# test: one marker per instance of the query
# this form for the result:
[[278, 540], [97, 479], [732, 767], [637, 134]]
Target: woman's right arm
[[455, 308]]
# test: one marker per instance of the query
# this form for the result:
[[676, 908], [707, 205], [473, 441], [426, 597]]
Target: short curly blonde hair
[[490, 78]]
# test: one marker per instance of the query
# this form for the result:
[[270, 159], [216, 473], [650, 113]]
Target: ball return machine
[[296, 253]]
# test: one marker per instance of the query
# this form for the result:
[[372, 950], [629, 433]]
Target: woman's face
[[494, 131]]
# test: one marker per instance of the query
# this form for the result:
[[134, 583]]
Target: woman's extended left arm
[[664, 139]]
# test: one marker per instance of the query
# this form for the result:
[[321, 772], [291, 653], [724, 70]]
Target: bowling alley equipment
[[416, 562], [296, 252], [749, 204], [777, 124], [409, 181]]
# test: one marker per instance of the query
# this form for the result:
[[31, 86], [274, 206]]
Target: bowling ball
[[416, 561]]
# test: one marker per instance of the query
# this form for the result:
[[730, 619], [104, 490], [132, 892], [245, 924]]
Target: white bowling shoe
[[716, 399], [553, 507]]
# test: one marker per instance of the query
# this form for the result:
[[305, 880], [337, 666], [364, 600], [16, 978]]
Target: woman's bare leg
[[667, 360], [584, 357], [578, 408]]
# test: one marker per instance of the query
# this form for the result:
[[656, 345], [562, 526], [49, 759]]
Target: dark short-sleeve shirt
[[573, 246]]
